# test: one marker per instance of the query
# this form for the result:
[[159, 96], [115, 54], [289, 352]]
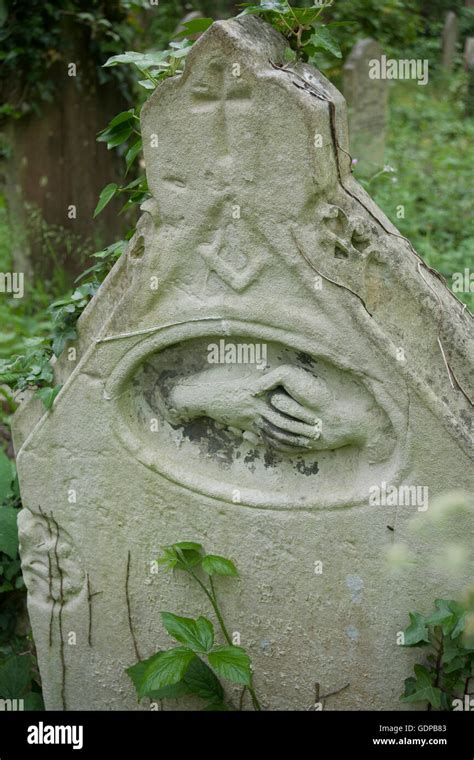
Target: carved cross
[[219, 93]]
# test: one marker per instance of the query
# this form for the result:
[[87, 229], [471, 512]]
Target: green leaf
[[452, 649], [183, 555], [61, 338], [167, 668], [275, 6], [188, 546], [143, 61], [9, 531], [15, 676], [173, 691], [416, 634], [196, 26], [6, 477], [201, 681], [197, 634], [119, 137], [47, 395], [216, 707], [422, 688], [105, 197], [322, 38], [198, 679], [146, 84], [132, 153], [307, 16], [137, 673], [212, 564], [232, 663], [290, 55], [449, 616], [120, 118]]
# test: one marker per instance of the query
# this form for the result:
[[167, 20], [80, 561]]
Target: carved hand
[[287, 407]]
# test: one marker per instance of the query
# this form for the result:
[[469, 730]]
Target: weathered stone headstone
[[469, 53], [266, 355], [469, 66], [367, 102], [449, 40]]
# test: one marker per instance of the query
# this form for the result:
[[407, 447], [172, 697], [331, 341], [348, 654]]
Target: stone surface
[[367, 102], [469, 66], [469, 53], [449, 40], [267, 351]]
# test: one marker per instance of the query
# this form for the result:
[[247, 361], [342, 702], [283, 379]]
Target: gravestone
[[469, 53], [367, 102], [469, 66], [267, 352], [449, 40]]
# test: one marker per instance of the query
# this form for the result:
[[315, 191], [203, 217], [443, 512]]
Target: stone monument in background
[[256, 237], [367, 103], [469, 66], [449, 40]]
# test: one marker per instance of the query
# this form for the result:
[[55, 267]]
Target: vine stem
[[439, 655], [211, 595]]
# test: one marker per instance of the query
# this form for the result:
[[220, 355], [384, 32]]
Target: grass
[[429, 145]]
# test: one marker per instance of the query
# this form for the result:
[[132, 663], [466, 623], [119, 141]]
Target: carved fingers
[[300, 385], [288, 420]]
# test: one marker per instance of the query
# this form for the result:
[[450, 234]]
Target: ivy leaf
[[449, 615], [197, 634], [166, 668], [61, 338], [9, 532], [422, 688], [232, 663], [212, 564], [47, 395], [323, 39], [451, 650], [289, 55], [105, 197], [196, 26], [416, 635]]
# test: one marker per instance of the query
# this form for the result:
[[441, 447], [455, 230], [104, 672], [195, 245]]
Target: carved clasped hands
[[287, 407]]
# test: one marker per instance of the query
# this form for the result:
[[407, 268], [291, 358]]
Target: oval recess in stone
[[233, 413]]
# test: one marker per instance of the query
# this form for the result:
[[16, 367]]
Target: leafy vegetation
[[19, 678], [427, 174], [183, 670], [444, 681]]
